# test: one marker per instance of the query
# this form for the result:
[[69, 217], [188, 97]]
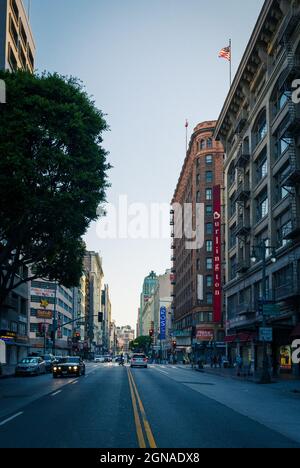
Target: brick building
[[197, 323]]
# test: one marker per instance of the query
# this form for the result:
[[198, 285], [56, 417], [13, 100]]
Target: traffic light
[[100, 317], [151, 333], [174, 344]]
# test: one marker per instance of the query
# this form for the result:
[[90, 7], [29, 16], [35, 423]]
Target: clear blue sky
[[150, 64]]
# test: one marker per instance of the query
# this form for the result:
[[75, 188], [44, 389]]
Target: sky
[[149, 65]]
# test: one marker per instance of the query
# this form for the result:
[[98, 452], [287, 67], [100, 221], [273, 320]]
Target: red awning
[[296, 332], [240, 337]]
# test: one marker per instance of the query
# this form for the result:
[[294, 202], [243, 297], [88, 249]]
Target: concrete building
[[60, 305], [94, 279], [17, 48], [124, 336], [149, 286], [259, 127], [162, 299], [113, 338], [106, 309], [197, 262]]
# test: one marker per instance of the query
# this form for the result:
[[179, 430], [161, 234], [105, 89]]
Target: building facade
[[94, 279], [259, 127], [124, 336], [106, 309], [149, 286], [196, 255], [17, 48]]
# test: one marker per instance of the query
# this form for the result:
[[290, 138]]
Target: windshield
[[29, 361], [71, 360]]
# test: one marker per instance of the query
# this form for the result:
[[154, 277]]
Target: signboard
[[271, 310], [44, 314], [2, 352], [205, 334], [7, 336], [266, 334], [42, 292], [163, 322], [217, 251]]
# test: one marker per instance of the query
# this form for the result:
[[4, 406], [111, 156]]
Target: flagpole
[[230, 63]]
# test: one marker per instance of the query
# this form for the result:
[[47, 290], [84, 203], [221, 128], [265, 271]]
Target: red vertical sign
[[217, 254]]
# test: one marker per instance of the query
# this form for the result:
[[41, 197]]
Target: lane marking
[[74, 382], [139, 430], [11, 418], [161, 371], [147, 427], [56, 393]]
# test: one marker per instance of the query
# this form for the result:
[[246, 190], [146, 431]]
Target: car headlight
[[75, 367], [59, 368], [55, 368]]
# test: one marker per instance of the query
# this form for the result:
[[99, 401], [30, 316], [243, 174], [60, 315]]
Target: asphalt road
[[115, 407]]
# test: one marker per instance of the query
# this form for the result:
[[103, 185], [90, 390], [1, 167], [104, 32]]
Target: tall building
[[163, 315], [197, 262], [259, 127], [94, 279], [17, 48], [106, 309], [149, 286], [124, 336], [59, 305]]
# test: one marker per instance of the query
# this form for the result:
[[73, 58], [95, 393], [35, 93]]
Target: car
[[139, 360], [100, 359], [49, 360], [69, 366], [31, 366]]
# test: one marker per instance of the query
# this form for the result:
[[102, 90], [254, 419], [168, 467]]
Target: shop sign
[[44, 314], [217, 250], [205, 334], [266, 335]]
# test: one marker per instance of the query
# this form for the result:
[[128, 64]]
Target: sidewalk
[[7, 371], [289, 383]]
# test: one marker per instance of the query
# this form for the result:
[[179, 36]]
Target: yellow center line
[[139, 430], [147, 427]]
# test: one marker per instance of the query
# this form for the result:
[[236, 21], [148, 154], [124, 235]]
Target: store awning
[[296, 332], [240, 338]]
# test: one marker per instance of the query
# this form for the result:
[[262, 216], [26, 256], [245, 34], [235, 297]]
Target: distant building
[[106, 309], [124, 336], [17, 48], [149, 286]]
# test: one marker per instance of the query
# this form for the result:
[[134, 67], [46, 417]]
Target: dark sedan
[[69, 366]]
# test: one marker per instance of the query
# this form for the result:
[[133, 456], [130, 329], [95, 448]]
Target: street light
[[259, 253]]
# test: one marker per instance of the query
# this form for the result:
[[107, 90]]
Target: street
[[159, 407]]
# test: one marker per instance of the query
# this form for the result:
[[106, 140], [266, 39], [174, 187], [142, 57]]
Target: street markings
[[74, 382], [136, 399], [56, 393], [11, 418]]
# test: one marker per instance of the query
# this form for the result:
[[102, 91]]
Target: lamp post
[[259, 253]]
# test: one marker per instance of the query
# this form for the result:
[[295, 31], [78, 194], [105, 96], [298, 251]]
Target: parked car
[[68, 366], [31, 366], [49, 360], [100, 359], [139, 360]]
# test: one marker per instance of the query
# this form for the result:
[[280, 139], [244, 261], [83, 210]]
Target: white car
[[139, 360], [100, 359]]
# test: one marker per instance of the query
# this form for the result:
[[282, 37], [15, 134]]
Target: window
[[282, 191], [209, 229], [22, 329], [198, 264], [282, 232], [13, 32], [281, 146], [209, 159], [209, 210], [262, 166], [209, 143], [209, 263], [198, 197], [233, 268], [209, 246], [198, 179], [209, 298], [232, 237], [260, 128], [209, 177], [202, 145], [208, 194], [262, 206], [209, 281]]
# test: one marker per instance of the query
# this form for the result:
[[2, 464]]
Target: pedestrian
[[239, 363]]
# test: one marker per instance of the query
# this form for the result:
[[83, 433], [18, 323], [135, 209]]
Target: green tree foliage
[[141, 344], [53, 176]]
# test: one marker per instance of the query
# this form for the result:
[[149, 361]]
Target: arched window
[[209, 143], [201, 145]]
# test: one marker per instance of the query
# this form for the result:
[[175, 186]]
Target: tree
[[53, 177], [141, 344]]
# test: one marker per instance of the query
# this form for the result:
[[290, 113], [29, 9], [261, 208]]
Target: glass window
[[262, 166], [209, 298], [209, 143], [208, 194], [209, 177], [209, 228], [260, 129], [209, 281], [209, 210], [209, 159], [209, 263], [209, 246], [198, 197], [262, 206], [202, 145]]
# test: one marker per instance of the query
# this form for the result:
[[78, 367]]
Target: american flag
[[225, 53]]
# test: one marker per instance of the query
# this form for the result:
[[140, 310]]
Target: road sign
[[271, 310], [266, 334]]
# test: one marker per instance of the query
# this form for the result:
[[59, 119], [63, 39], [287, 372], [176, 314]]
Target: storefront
[[242, 345]]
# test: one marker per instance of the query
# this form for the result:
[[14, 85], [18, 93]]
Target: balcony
[[243, 266], [242, 158], [242, 229], [292, 122], [292, 231], [291, 177], [290, 290], [240, 122], [243, 192], [288, 25]]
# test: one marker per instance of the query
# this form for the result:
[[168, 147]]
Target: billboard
[[217, 251], [163, 323], [205, 334]]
